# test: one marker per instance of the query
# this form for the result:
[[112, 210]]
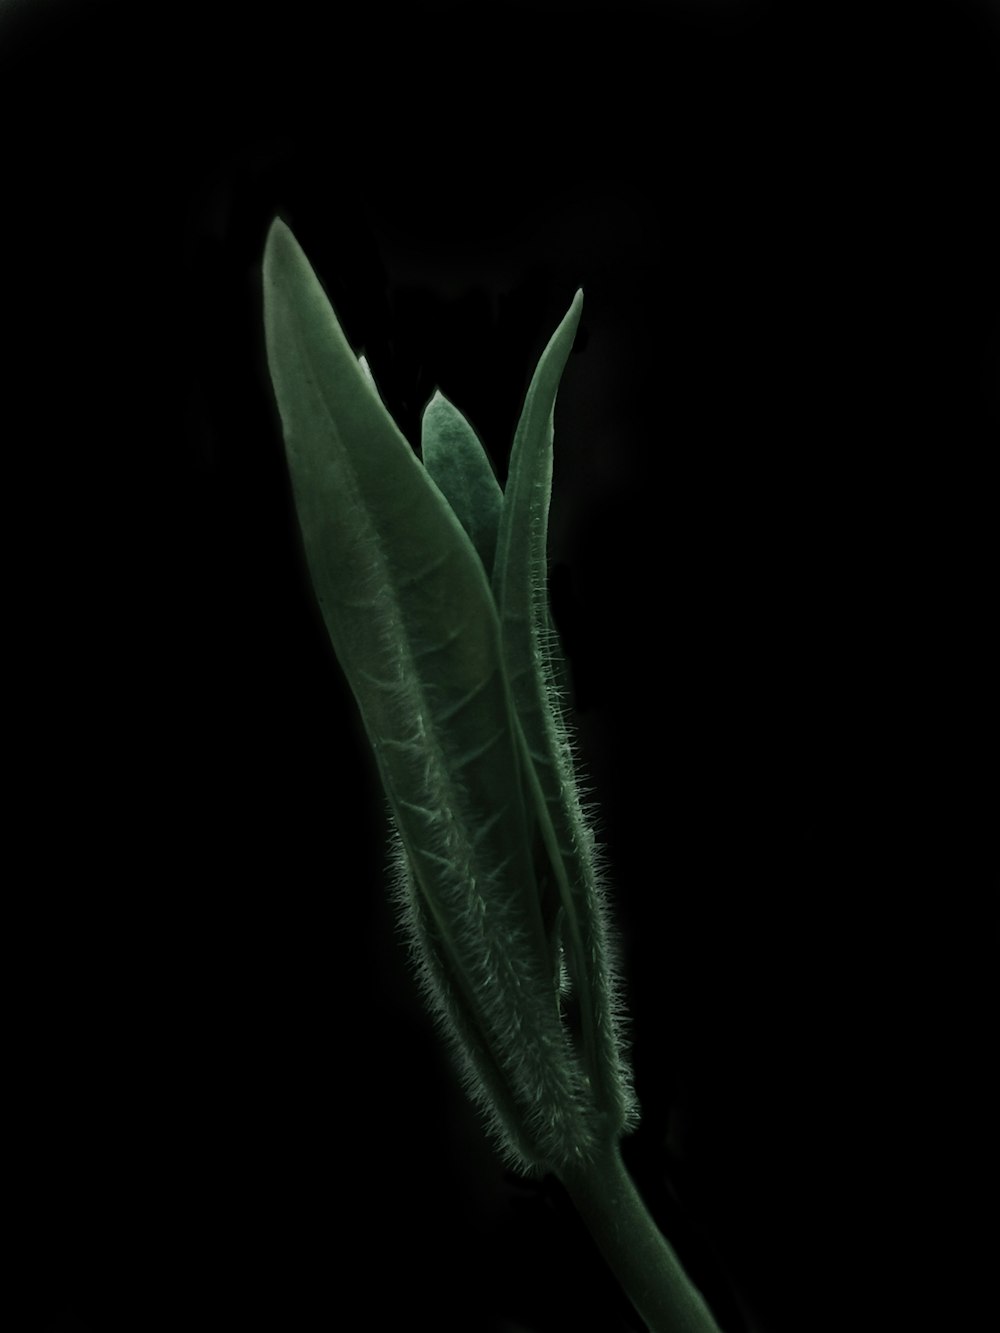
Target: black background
[[767, 523]]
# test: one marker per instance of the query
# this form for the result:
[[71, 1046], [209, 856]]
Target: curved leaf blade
[[532, 658]]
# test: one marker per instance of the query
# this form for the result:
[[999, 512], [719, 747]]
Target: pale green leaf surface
[[454, 456]]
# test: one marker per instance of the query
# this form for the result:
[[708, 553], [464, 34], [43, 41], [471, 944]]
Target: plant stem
[[638, 1253]]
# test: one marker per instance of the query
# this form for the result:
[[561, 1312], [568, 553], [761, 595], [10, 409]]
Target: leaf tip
[[437, 406], [575, 310], [278, 235]]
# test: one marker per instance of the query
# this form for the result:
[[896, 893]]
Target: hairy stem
[[637, 1252]]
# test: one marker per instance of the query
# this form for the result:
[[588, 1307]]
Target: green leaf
[[411, 617], [454, 456], [534, 668]]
